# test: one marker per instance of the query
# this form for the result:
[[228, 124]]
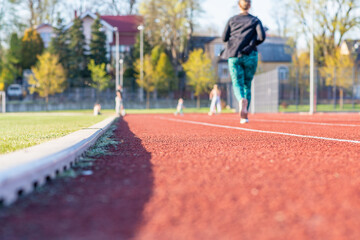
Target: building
[[46, 32], [125, 25]]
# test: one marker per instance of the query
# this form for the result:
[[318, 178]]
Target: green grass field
[[320, 108], [23, 130]]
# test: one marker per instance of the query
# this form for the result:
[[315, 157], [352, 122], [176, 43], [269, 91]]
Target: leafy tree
[[14, 55], [11, 63], [300, 73], [59, 44], [97, 43], [77, 58], [338, 72], [149, 81], [40, 11], [7, 76], [49, 77], [165, 73], [170, 23], [32, 45], [99, 76], [199, 72], [333, 20]]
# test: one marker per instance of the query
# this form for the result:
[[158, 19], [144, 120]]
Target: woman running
[[242, 34]]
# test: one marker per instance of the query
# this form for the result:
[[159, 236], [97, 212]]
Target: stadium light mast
[[117, 58], [312, 61], [141, 29]]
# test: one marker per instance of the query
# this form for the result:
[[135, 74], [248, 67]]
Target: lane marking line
[[309, 123], [260, 131]]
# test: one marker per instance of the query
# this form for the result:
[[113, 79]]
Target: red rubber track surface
[[179, 180]]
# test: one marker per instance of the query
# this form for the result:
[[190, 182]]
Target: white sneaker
[[244, 120]]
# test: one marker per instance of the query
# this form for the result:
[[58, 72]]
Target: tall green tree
[[164, 71], [14, 54], [32, 46], [199, 72], [149, 81], [49, 77], [99, 76], [77, 58], [59, 44], [170, 23], [97, 43]]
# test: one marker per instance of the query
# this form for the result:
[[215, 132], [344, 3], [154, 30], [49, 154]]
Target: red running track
[[175, 178]]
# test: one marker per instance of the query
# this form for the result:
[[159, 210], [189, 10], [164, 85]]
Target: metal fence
[[336, 89]]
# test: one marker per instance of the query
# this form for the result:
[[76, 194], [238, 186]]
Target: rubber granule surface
[[175, 180]]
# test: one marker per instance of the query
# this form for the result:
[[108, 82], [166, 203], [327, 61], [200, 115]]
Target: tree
[[170, 23], [11, 62], [59, 44], [165, 73], [338, 72], [300, 72], [32, 45], [14, 55], [149, 81], [333, 20], [199, 72], [99, 76], [40, 11], [77, 58], [123, 6], [97, 43], [49, 77]]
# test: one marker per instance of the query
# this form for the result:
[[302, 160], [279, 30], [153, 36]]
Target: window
[[218, 48], [283, 73]]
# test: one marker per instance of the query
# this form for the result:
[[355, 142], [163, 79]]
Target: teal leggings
[[242, 71]]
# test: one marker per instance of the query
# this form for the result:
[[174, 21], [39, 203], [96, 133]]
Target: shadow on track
[[105, 205]]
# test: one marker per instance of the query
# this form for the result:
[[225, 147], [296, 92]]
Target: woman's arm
[[226, 34], [260, 33]]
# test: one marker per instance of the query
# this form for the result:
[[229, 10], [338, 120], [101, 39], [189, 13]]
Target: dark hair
[[245, 4]]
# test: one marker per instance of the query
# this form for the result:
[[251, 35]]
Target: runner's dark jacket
[[242, 33]]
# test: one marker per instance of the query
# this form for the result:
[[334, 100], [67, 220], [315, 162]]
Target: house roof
[[275, 49], [128, 23], [43, 25], [354, 47], [200, 41]]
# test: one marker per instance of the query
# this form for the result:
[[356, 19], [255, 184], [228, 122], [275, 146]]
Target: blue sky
[[217, 12]]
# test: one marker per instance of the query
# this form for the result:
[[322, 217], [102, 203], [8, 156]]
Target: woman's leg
[[237, 78], [250, 65]]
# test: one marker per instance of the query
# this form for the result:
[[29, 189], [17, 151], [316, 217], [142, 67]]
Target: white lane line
[[261, 131], [309, 123], [300, 122]]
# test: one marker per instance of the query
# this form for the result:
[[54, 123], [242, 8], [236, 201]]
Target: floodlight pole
[[141, 29], [121, 72], [312, 61], [117, 58]]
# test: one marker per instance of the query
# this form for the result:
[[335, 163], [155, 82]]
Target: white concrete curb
[[22, 170]]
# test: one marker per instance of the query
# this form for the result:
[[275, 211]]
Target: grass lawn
[[320, 108], [22, 130]]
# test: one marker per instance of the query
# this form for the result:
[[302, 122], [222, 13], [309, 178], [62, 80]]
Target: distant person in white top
[[119, 105], [180, 107], [97, 109], [215, 106]]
